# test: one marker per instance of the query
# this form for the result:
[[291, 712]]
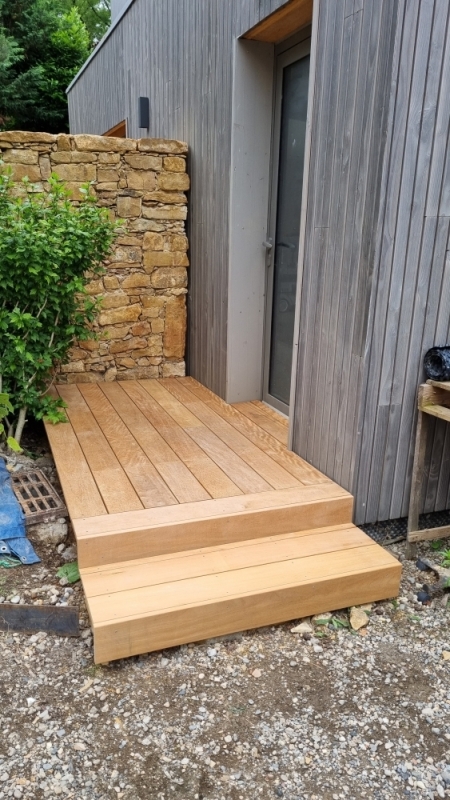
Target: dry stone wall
[[141, 326]]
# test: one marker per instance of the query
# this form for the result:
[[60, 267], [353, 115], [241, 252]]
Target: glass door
[[284, 221]]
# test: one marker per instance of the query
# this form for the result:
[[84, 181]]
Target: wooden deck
[[192, 518]]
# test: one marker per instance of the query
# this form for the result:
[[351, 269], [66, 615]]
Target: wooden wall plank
[[411, 297], [180, 54], [352, 81], [376, 277]]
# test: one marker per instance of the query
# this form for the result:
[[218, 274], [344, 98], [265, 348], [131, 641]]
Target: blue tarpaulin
[[13, 539]]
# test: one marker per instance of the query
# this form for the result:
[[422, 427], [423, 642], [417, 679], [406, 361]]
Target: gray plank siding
[[179, 53], [349, 124], [411, 306], [375, 291]]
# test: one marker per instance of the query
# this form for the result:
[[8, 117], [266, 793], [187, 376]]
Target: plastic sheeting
[[13, 539], [437, 364]]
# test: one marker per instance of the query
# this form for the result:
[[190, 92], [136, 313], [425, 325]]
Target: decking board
[[300, 469], [112, 481], [278, 477], [258, 413], [192, 518], [212, 478], [113, 579]]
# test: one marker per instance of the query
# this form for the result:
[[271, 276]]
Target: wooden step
[[152, 603], [114, 538]]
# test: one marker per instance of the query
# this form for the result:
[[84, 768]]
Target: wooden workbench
[[433, 400]]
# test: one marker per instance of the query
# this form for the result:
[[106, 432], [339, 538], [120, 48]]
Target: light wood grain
[[300, 469], [160, 616], [131, 636], [281, 23], [212, 522], [224, 456], [216, 483], [277, 416], [256, 413], [430, 394], [260, 462], [440, 384], [148, 483], [206, 561], [427, 534], [231, 583], [114, 485], [180, 480], [441, 412], [80, 490]]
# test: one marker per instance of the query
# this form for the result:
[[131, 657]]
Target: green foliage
[[49, 250], [438, 544], [69, 571], [6, 408], [43, 43], [446, 558], [96, 15]]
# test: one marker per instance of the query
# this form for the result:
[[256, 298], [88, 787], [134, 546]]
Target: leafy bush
[[50, 248], [6, 409]]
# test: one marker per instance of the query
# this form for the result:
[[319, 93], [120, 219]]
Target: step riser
[[148, 541], [159, 631]]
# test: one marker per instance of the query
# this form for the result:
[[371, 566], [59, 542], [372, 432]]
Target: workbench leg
[[417, 481]]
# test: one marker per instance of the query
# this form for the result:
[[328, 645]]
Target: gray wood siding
[[179, 53], [410, 305], [355, 43], [376, 270]]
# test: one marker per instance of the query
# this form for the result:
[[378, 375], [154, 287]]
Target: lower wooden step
[[153, 603], [171, 529]]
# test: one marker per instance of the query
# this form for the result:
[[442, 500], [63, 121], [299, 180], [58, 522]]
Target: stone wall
[[142, 323]]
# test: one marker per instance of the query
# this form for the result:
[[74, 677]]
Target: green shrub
[[50, 248]]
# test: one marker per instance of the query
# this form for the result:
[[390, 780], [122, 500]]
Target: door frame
[[252, 106], [295, 52]]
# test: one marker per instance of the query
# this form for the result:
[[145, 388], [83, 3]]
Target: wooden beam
[[119, 130], [429, 533], [283, 22], [432, 395], [190, 526]]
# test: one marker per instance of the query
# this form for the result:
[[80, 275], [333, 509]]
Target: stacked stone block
[[141, 326]]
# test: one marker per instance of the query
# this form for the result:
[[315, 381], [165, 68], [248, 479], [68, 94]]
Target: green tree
[[42, 46], [96, 15]]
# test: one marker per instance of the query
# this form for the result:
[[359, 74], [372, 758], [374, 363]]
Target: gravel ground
[[264, 714]]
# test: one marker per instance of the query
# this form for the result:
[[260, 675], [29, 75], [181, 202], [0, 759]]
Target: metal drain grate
[[38, 499]]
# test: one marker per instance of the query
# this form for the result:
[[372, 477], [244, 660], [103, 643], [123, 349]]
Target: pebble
[[303, 627], [358, 618], [264, 714]]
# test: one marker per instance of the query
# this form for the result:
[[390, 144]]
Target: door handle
[[268, 244]]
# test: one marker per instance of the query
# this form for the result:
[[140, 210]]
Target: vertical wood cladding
[[179, 53], [349, 115], [376, 286], [410, 304], [376, 273]]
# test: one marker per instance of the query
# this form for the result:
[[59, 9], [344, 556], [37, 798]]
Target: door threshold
[[277, 410]]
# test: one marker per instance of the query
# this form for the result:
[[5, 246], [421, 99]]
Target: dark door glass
[[289, 199]]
